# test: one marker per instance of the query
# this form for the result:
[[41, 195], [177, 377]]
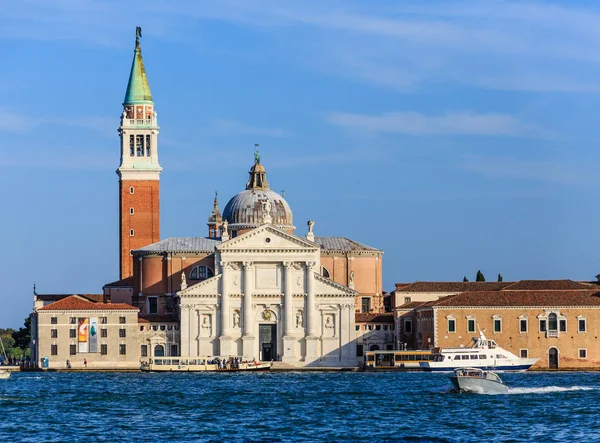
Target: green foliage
[[465, 279], [16, 343], [499, 277], [23, 335], [480, 276]]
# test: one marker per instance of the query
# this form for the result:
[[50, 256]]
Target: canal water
[[294, 407]]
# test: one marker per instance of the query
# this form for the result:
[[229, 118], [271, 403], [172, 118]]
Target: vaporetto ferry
[[203, 364], [482, 354]]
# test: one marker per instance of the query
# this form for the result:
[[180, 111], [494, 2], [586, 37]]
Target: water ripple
[[293, 407]]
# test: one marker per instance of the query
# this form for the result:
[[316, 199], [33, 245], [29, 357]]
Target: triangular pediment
[[210, 286], [325, 286], [268, 237]]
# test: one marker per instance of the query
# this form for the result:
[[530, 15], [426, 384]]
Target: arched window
[[201, 273], [374, 348], [159, 351], [325, 272]]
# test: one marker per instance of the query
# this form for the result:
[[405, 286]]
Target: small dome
[[245, 210]]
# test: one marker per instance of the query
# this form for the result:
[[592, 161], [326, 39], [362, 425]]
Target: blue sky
[[455, 136]]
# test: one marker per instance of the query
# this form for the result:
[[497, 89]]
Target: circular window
[[267, 240]]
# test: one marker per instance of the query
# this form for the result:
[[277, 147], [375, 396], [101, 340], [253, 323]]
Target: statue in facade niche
[[206, 322], [236, 319], [329, 322], [299, 319]]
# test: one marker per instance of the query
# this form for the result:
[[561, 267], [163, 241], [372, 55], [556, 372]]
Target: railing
[[551, 334], [139, 121]]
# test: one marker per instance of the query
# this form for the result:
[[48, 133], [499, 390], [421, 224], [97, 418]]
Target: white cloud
[[413, 123], [12, 122], [505, 45]]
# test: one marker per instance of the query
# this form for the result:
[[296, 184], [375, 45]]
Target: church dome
[[258, 205]]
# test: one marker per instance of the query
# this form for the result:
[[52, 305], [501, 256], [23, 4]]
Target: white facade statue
[[352, 278], [299, 322], [266, 212], [311, 224], [236, 319], [329, 322], [183, 281], [206, 322]]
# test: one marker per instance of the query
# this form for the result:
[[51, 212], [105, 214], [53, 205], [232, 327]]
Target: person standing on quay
[[85, 362]]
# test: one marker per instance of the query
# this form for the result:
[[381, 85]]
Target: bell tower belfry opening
[[139, 171]]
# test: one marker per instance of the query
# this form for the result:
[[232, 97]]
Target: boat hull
[[4, 374], [478, 385], [520, 365]]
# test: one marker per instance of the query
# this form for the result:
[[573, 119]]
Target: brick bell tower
[[139, 215]]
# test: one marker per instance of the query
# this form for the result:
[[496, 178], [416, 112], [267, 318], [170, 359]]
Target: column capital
[[248, 265], [225, 264], [311, 265], [288, 264]]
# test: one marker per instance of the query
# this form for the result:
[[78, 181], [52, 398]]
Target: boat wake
[[549, 389]]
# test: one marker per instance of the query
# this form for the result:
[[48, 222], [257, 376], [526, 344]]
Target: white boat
[[203, 364], [478, 381], [481, 354]]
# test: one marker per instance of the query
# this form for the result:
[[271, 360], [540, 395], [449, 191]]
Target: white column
[[225, 337], [225, 331], [185, 330], [287, 298], [247, 307], [311, 321]]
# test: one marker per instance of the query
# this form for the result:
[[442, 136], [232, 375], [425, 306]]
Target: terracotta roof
[[433, 286], [411, 305], [547, 285], [388, 317], [522, 298], [125, 282], [76, 303], [97, 298]]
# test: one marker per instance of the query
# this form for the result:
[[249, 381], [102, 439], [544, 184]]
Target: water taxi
[[203, 364], [482, 354], [395, 359], [478, 381]]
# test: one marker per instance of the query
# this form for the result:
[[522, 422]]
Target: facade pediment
[[208, 287], [329, 288], [267, 238]]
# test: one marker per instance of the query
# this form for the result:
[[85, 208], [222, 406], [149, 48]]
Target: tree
[[23, 336], [499, 277], [465, 279], [480, 276]]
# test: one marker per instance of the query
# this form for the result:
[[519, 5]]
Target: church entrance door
[[267, 335]]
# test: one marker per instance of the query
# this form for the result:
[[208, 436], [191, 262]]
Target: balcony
[[552, 334], [139, 122]]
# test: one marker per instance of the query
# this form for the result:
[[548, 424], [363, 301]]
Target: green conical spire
[[138, 89]]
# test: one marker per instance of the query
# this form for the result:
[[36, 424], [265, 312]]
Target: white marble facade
[[268, 300]]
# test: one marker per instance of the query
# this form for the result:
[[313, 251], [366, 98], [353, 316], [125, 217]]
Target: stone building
[[407, 296], [556, 321], [76, 329]]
